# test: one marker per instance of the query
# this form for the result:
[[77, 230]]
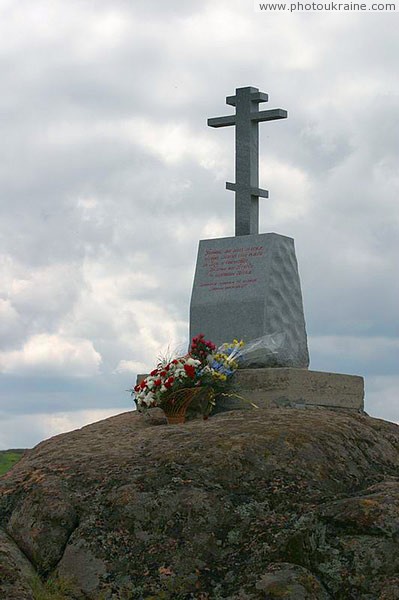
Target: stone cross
[[246, 187]]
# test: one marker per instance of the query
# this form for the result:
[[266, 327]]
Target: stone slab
[[246, 287], [296, 388], [293, 388]]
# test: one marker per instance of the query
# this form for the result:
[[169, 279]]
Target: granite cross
[[246, 187]]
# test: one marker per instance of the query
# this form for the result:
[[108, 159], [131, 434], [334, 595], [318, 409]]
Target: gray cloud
[[109, 176]]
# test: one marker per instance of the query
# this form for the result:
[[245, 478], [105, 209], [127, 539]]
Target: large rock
[[16, 572], [275, 503]]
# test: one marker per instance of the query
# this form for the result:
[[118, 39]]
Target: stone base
[[292, 388], [295, 388]]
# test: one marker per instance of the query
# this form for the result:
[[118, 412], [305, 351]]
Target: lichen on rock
[[247, 505]]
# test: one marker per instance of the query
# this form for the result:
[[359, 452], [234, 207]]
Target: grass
[[8, 458], [58, 588], [53, 589]]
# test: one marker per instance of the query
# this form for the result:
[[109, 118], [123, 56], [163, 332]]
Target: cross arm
[[269, 115], [256, 96], [254, 191], [222, 121]]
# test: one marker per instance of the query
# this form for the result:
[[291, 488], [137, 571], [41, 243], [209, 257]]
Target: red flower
[[190, 371], [157, 382], [154, 372], [169, 382], [142, 384]]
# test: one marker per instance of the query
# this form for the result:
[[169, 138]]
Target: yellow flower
[[220, 376]]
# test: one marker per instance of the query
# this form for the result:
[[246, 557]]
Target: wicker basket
[[176, 403]]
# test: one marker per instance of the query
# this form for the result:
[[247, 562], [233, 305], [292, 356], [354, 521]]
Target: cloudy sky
[[109, 176]]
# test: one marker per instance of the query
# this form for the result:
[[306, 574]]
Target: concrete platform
[[295, 388]]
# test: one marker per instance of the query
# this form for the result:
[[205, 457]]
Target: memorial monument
[[248, 286]]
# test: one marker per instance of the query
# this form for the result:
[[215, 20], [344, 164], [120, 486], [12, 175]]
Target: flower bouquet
[[201, 374]]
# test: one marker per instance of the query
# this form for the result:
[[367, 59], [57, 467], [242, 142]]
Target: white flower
[[148, 399], [193, 362]]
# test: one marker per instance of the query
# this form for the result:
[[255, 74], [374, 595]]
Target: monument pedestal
[[292, 388], [246, 287], [295, 388]]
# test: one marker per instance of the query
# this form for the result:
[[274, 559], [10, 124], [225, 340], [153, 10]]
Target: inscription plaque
[[246, 287]]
